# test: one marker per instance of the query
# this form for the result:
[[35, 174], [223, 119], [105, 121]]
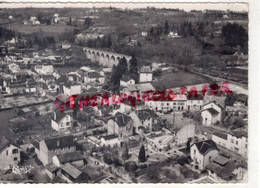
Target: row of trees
[[155, 33], [122, 69], [6, 34]]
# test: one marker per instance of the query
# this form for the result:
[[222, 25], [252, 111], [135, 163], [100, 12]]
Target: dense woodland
[[207, 38]]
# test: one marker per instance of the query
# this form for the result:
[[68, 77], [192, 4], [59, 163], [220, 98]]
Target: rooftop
[[110, 137], [205, 146], [72, 156], [221, 135], [59, 142], [212, 111], [122, 119], [146, 114], [146, 69], [71, 170], [223, 167], [141, 87]]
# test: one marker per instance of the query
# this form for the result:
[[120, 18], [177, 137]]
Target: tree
[[117, 73], [125, 154], [166, 28], [234, 34], [130, 166], [142, 156], [70, 21], [188, 145], [134, 69], [88, 22]]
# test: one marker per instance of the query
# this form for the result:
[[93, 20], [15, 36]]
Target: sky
[[185, 6]]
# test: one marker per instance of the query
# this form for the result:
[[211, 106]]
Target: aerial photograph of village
[[109, 94]]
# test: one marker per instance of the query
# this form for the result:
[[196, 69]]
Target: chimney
[[58, 142], [54, 115]]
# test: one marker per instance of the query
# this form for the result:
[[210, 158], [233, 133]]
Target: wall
[[145, 77], [194, 105], [206, 118], [187, 131], [220, 141], [6, 160], [202, 160]]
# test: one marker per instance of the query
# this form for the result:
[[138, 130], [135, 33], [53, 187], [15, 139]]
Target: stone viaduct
[[104, 58]]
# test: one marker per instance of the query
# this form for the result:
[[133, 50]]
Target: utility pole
[[173, 120]]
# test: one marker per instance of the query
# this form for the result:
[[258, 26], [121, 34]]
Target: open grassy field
[[172, 80], [28, 29]]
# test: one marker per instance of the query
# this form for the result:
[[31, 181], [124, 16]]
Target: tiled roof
[[69, 157], [36, 144], [59, 142], [122, 119], [205, 146], [239, 134], [146, 69], [51, 167], [212, 111], [71, 170], [193, 98], [141, 87], [219, 100], [60, 115], [3, 143], [62, 79], [146, 114], [94, 75], [47, 77], [110, 137], [221, 135], [223, 167]]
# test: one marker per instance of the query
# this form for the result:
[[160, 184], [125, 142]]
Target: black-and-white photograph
[[124, 93]]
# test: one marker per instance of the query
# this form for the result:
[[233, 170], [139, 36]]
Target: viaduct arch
[[105, 58]]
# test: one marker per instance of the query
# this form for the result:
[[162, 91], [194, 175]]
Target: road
[[234, 86]]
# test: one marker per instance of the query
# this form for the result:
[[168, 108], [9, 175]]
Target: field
[[173, 80], [50, 29]]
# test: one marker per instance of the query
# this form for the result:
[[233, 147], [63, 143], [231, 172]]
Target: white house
[[93, 77], [71, 89], [111, 140], [126, 80], [143, 118], [236, 141], [121, 125], [146, 74], [212, 113], [179, 103], [62, 121], [44, 69], [224, 170], [50, 147], [9, 153], [202, 153], [142, 88], [194, 103]]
